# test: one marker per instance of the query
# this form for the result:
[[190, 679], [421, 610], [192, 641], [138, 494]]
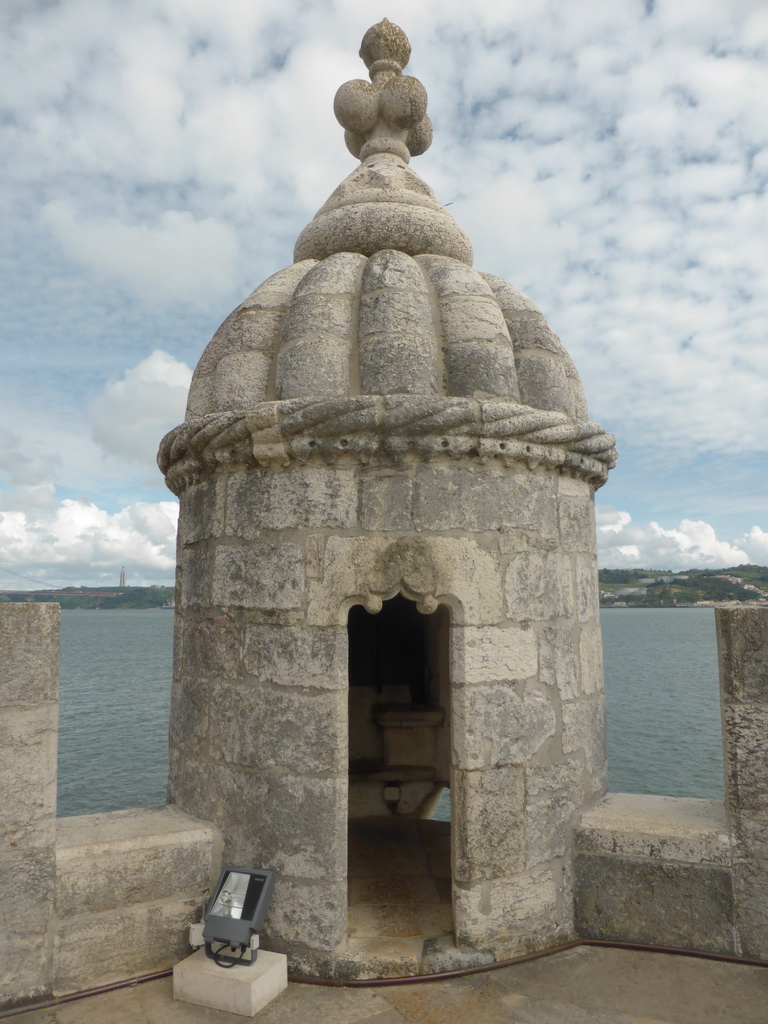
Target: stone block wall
[[91, 899], [128, 885], [692, 874], [29, 656], [270, 562], [656, 870], [742, 641]]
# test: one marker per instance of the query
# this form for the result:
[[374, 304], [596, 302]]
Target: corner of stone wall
[[86, 900], [29, 663], [128, 885], [742, 642], [655, 870]]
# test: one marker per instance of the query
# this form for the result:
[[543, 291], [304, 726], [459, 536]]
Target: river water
[[661, 696]]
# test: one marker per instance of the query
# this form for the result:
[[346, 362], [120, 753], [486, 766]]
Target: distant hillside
[[659, 588], [119, 597]]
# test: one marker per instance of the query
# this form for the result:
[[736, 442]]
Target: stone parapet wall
[[742, 641], [656, 870], [91, 899], [128, 885], [29, 659], [692, 873]]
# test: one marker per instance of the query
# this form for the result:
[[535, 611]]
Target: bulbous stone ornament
[[385, 43], [389, 114], [383, 204]]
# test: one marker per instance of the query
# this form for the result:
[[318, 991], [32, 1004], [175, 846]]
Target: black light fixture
[[235, 915]]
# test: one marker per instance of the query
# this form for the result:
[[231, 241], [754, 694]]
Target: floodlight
[[235, 914]]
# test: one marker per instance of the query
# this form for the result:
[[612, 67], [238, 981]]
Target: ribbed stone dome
[[388, 324], [381, 338]]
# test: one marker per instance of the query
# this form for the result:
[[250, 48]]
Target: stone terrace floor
[[585, 985]]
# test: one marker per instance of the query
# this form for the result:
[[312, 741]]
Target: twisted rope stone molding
[[383, 428]]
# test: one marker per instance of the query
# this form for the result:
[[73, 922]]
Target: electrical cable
[[215, 954], [411, 979]]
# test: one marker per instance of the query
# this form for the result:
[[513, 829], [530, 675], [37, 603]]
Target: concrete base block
[[243, 989]]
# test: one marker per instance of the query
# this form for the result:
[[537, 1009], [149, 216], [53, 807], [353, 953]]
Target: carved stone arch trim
[[407, 566]]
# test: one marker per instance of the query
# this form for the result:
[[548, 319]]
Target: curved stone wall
[[271, 559]]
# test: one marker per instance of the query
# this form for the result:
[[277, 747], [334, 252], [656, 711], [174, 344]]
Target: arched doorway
[[399, 866]]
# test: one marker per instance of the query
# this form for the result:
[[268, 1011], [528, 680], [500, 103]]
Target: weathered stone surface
[[472, 498], [470, 318], [659, 828], [666, 903], [574, 487], [750, 879], [481, 369], [304, 730], [29, 666], [240, 380], [577, 523], [306, 814], [587, 593], [549, 827], [110, 861], [314, 366], [395, 326], [209, 644], [559, 660], [534, 333], [494, 725], [742, 638], [386, 501], [28, 741], [591, 658], [194, 576], [310, 914], [543, 781], [745, 727], [398, 365], [515, 914], [201, 515], [333, 307], [542, 381], [152, 937], [488, 823], [483, 654], [584, 725], [410, 220], [27, 880], [258, 575], [313, 656], [537, 585], [298, 497], [29, 661], [440, 956]]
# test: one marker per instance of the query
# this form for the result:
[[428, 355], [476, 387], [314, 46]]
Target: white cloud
[[178, 258], [692, 544], [132, 414], [77, 542], [755, 543], [611, 159], [22, 469]]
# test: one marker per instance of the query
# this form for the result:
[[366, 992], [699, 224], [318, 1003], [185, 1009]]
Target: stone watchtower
[[387, 579]]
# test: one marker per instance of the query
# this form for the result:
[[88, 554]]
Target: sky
[[159, 158]]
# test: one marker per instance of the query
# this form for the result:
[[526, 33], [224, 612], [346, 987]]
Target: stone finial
[[389, 113], [383, 204]]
